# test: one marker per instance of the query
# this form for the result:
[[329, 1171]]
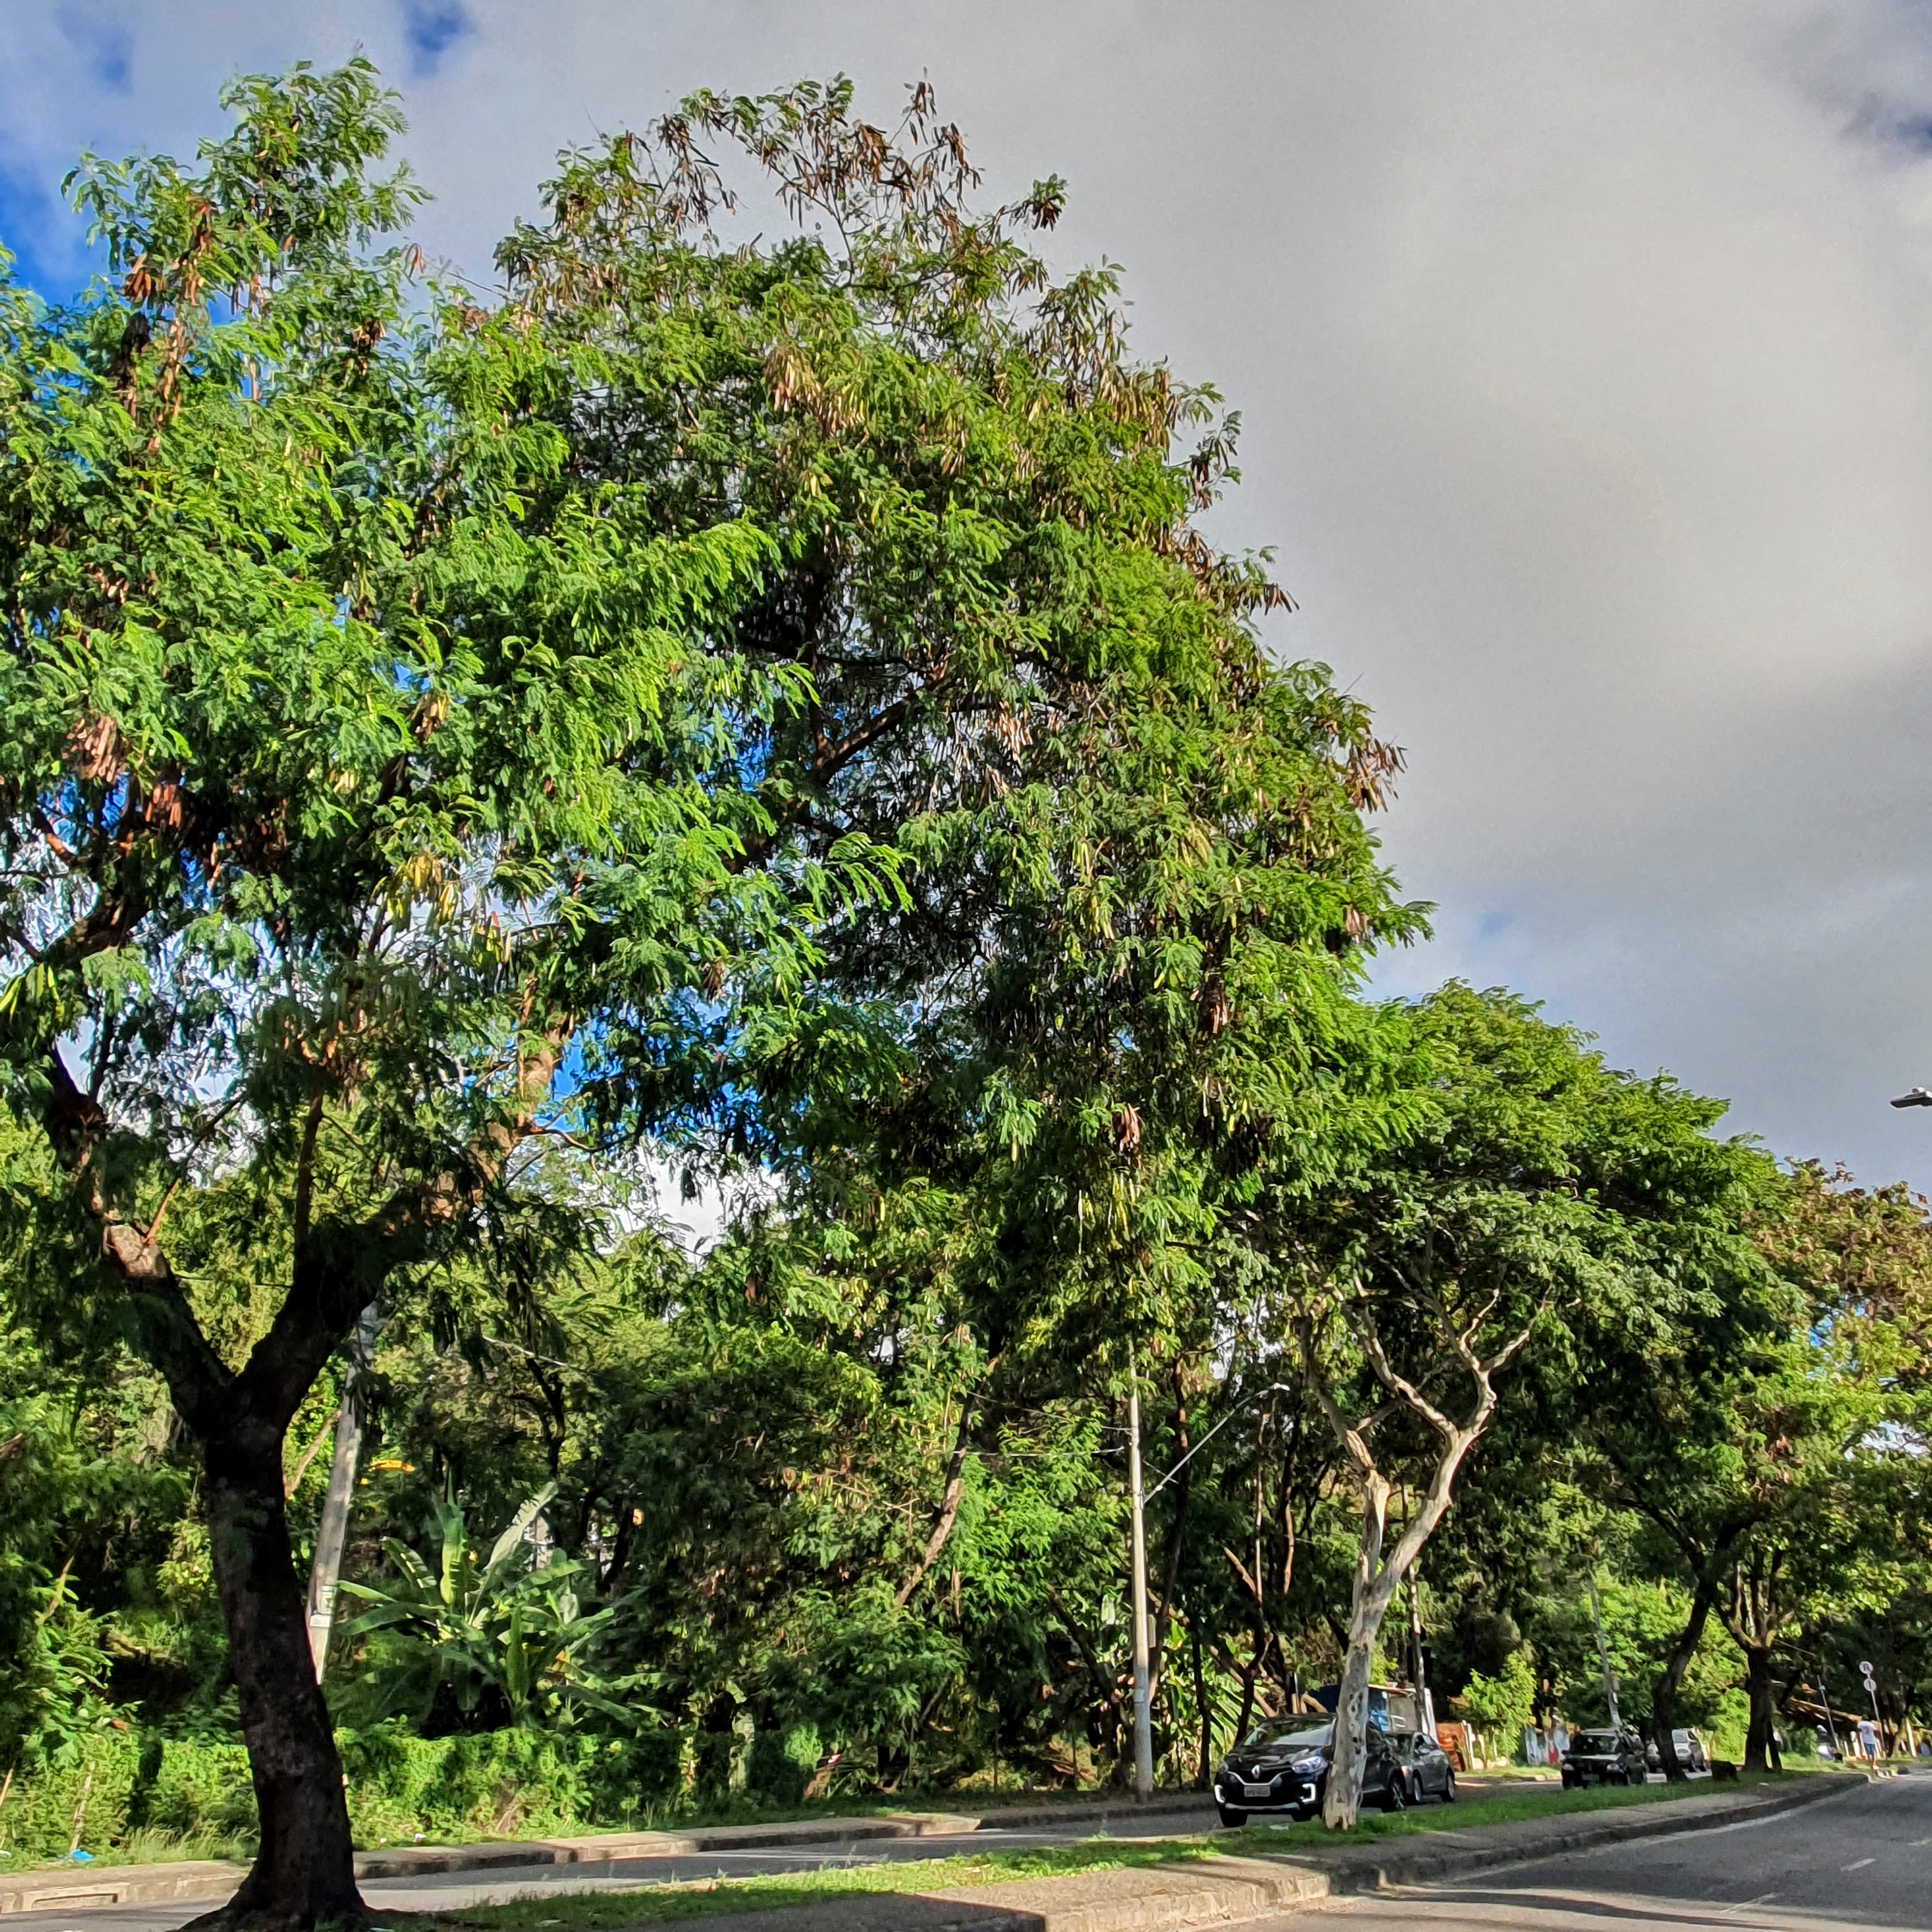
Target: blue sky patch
[[104, 45], [432, 28], [44, 238]]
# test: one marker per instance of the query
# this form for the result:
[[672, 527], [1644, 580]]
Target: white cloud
[[1586, 355]]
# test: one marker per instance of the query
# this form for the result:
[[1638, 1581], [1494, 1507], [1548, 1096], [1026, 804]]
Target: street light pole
[[1143, 1688]]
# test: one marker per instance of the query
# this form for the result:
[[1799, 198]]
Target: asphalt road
[[1864, 1858]]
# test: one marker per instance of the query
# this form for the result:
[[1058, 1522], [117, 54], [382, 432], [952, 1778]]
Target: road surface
[[1863, 1858]]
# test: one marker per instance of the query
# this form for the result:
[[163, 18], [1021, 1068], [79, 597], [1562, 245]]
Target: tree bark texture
[[305, 1872], [1754, 1618], [1761, 1751], [1670, 1680], [1342, 1803]]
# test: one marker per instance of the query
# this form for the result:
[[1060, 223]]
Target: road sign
[[1864, 1670]]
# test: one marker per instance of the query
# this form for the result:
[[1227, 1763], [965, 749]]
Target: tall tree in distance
[[1540, 1192]]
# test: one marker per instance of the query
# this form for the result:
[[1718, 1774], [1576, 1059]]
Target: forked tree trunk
[[303, 1875], [1753, 1618], [1761, 1751], [1377, 1579], [1669, 1681]]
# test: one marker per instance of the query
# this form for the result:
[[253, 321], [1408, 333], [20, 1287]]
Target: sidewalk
[[1193, 1892], [215, 1878]]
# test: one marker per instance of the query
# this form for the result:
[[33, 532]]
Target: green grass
[[705, 1898], [664, 1904], [144, 1847], [1500, 1807]]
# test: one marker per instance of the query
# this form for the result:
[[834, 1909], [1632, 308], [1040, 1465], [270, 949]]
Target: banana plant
[[499, 1631]]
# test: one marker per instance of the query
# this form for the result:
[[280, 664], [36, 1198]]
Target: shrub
[[128, 1784]]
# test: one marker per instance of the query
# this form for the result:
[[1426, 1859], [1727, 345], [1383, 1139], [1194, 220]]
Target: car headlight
[[1306, 1767]]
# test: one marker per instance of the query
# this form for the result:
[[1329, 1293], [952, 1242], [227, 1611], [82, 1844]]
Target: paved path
[[1863, 1858], [450, 1890], [447, 1891]]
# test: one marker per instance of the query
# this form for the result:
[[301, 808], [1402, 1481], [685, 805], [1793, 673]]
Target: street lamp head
[[1919, 1097]]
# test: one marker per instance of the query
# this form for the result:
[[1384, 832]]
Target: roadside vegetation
[[743, 720]]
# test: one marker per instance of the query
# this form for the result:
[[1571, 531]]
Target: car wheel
[[1449, 1788], [1394, 1799], [1231, 1818]]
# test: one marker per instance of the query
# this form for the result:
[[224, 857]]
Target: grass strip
[[666, 1903]]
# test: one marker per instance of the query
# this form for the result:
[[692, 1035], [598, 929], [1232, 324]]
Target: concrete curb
[[1228, 1891], [1200, 1892], [1419, 1862], [119, 1885], [217, 1878]]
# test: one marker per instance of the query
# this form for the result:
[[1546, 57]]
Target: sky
[[1584, 354]]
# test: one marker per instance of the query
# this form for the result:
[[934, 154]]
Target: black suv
[[1604, 1757], [1283, 1765]]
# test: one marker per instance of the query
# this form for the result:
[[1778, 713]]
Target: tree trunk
[[1377, 1579], [1754, 1619], [304, 1873], [1670, 1680], [1761, 1742], [1374, 1590]]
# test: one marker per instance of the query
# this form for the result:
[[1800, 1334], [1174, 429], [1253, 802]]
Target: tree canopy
[[755, 701]]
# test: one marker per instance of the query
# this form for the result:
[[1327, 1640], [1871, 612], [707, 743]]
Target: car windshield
[[1595, 1741], [1285, 1734]]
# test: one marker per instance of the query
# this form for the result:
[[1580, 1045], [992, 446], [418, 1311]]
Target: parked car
[[1282, 1765], [1691, 1753], [1604, 1757], [1429, 1772]]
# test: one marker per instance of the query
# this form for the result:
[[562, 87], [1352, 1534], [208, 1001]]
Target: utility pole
[[1603, 1654], [1825, 1697], [1143, 1692], [1415, 1644], [333, 1529]]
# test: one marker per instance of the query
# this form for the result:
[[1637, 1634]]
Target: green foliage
[[53, 1703], [130, 1786], [120, 1781], [480, 1642], [770, 711], [1502, 1704]]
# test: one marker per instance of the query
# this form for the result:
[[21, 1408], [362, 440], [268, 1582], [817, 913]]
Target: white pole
[[1143, 1697], [332, 1531], [1604, 1655]]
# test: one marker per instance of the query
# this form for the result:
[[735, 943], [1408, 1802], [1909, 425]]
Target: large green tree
[[1138, 885], [352, 776], [723, 694], [1541, 1195]]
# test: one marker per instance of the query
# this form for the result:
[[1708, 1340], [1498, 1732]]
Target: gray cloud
[[1585, 358]]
